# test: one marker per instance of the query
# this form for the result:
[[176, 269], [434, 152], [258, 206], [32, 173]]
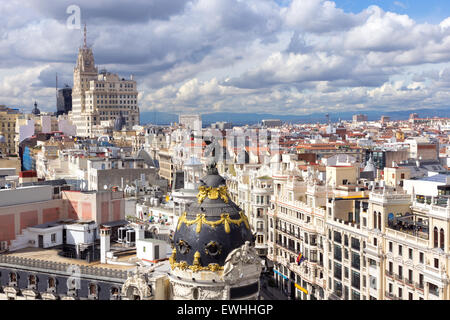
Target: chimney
[[140, 233], [105, 243]]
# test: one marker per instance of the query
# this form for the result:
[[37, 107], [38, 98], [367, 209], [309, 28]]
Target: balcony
[[392, 296], [302, 206], [399, 277], [409, 282], [291, 233], [389, 197], [406, 236], [285, 246], [419, 286], [410, 225], [336, 295], [435, 206]]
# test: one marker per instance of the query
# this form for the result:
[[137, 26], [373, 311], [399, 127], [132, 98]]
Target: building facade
[[98, 97]]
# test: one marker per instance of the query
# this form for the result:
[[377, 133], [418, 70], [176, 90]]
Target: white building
[[98, 97]]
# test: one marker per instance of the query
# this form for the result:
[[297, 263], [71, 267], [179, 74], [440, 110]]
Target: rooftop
[[51, 255], [436, 178]]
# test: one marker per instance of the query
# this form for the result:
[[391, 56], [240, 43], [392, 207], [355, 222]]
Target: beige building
[[98, 97], [11, 162], [166, 167], [342, 175], [362, 241], [8, 119], [394, 176]]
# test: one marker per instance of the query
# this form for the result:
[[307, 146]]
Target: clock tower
[[83, 73], [99, 99]]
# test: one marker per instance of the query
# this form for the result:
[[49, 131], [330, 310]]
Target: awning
[[116, 223]]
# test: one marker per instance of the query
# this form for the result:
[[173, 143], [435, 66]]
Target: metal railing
[[419, 286], [392, 296], [63, 267], [398, 277]]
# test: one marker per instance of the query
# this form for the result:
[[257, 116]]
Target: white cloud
[[231, 55]]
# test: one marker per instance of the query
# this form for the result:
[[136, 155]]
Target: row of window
[[113, 85], [52, 282], [298, 214], [400, 293], [400, 276], [355, 256], [337, 237], [261, 199], [410, 252], [113, 113], [124, 103], [121, 96], [345, 293], [295, 231]]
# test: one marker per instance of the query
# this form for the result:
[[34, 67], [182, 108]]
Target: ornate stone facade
[[137, 287], [213, 255]]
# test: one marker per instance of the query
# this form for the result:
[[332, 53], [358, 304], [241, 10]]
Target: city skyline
[[277, 57]]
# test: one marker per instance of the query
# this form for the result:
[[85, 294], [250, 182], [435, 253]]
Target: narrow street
[[270, 293]]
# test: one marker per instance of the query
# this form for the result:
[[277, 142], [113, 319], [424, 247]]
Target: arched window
[[32, 281], [114, 293], [374, 219], [92, 289], [441, 242], [51, 283], [195, 294], [379, 220], [435, 237], [13, 278]]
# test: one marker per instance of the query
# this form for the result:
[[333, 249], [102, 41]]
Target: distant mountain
[[164, 118], [160, 118]]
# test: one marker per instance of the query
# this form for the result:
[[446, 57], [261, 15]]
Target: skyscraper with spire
[[100, 96]]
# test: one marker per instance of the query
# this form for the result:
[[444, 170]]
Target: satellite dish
[[105, 187]]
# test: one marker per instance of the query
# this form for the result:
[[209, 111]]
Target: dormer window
[[13, 279], [93, 291], [32, 282], [114, 293], [51, 284]]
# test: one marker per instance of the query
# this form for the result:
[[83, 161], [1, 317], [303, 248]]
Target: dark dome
[[36, 110], [213, 226]]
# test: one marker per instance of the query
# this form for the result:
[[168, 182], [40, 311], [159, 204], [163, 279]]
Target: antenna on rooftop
[[56, 90], [85, 37]]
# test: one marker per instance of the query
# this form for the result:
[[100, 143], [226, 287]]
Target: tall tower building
[[100, 98]]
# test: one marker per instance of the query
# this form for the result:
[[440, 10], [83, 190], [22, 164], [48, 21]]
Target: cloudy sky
[[265, 56]]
